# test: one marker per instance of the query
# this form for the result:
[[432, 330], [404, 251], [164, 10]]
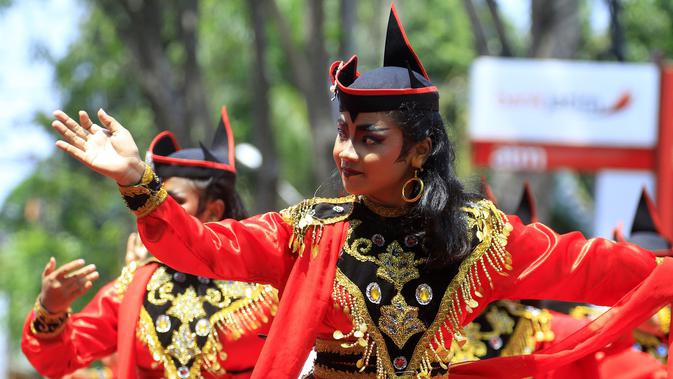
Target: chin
[[352, 189]]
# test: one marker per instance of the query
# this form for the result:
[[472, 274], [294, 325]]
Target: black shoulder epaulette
[[313, 214]]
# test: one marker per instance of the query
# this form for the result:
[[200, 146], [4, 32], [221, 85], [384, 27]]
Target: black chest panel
[[386, 260]]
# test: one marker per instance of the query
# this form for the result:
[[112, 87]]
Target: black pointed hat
[[645, 231], [527, 209], [195, 163], [402, 79]]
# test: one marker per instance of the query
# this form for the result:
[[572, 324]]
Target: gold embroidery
[[400, 321], [46, 324], [187, 306], [243, 307], [145, 196], [301, 218], [473, 348], [398, 266], [532, 327], [489, 256], [124, 279]]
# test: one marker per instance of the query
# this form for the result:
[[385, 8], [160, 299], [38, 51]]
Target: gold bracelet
[[145, 196], [46, 324]]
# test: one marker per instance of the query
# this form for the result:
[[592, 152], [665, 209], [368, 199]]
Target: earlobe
[[422, 151]]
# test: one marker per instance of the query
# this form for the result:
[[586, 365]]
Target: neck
[[384, 209]]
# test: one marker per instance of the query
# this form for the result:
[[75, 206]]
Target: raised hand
[[62, 286], [108, 149]]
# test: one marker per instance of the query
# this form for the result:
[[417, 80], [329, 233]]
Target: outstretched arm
[[253, 250], [568, 267], [56, 343]]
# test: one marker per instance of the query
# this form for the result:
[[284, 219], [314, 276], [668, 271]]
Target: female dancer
[[161, 322], [383, 280]]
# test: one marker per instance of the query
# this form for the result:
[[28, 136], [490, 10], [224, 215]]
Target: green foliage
[[65, 213]]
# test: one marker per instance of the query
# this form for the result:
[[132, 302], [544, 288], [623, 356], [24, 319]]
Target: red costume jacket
[[298, 250], [119, 319]]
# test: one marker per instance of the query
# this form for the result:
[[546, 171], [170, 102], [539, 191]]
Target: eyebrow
[[369, 128]]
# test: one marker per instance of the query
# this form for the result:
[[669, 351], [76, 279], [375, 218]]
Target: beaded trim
[[489, 256], [232, 321], [145, 196], [46, 324], [301, 217]]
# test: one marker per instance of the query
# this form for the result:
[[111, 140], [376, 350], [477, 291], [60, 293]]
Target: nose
[[347, 151]]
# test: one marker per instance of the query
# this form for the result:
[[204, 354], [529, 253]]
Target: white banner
[[578, 103]]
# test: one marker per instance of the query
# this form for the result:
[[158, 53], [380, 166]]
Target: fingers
[[72, 151], [49, 268], [71, 124], [71, 137], [86, 122], [108, 121], [82, 272], [65, 271]]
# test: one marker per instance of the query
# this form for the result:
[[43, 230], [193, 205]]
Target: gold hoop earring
[[411, 182]]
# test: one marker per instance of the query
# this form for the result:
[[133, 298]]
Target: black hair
[[222, 187], [447, 239]]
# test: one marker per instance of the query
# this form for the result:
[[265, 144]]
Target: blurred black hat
[[402, 79], [527, 209], [195, 163], [645, 231]]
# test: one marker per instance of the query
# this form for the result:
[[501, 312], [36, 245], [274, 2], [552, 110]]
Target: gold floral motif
[[398, 266], [488, 257], [243, 308], [400, 321], [183, 345], [187, 306]]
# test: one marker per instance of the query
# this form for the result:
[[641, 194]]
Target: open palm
[[108, 149]]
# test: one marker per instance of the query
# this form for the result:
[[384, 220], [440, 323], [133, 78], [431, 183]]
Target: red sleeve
[[252, 250], [88, 335], [568, 267]]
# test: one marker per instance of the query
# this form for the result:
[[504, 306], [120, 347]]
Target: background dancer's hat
[[645, 229], [402, 79], [195, 163], [527, 209]]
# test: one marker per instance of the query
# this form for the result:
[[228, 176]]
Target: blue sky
[[27, 85]]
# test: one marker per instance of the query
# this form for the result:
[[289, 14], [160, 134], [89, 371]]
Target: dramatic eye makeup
[[371, 134], [342, 128]]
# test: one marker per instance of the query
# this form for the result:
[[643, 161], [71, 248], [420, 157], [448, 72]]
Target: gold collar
[[383, 210]]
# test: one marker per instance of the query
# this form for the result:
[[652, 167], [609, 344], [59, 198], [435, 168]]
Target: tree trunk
[[174, 91], [555, 28], [310, 77], [480, 45], [266, 179]]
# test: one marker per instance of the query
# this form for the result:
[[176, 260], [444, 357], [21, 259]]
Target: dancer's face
[[367, 154], [184, 192]]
